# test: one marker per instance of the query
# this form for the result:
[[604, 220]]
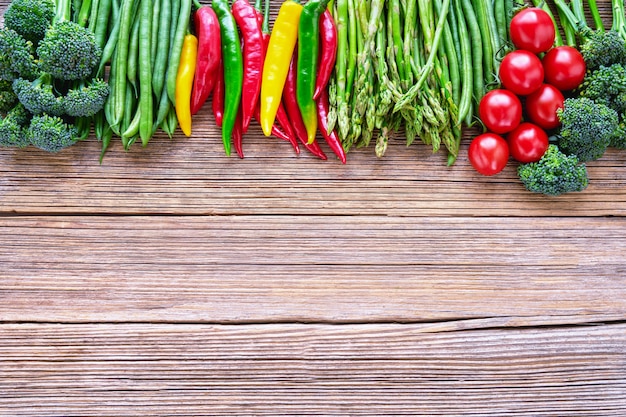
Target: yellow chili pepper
[[279, 51], [184, 82]]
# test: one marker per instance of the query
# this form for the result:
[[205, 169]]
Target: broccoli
[[554, 174], [51, 133], [13, 126], [16, 56], [68, 51], [602, 48], [606, 85], [587, 128], [599, 46], [38, 96], [30, 18], [8, 99], [86, 99]]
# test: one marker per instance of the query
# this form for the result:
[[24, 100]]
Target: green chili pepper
[[232, 59], [308, 50]]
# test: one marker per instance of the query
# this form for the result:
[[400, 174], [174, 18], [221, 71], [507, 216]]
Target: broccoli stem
[[619, 21]]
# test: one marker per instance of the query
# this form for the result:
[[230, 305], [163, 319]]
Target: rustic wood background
[[174, 281]]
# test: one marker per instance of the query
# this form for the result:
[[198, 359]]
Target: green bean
[[102, 22], [480, 13], [126, 17], [496, 44], [110, 44], [477, 48], [145, 71], [132, 129], [107, 135], [499, 11], [160, 63], [176, 48], [163, 109], [156, 14], [465, 101], [93, 15], [449, 52], [130, 113], [133, 55]]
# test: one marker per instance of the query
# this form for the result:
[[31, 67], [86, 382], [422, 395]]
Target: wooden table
[[174, 281]]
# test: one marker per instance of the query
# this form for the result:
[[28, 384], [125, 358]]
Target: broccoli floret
[[554, 174], [587, 128], [619, 138], [603, 48], [16, 56], [13, 126], [606, 85], [8, 99], [51, 133], [86, 99], [30, 18], [68, 51], [38, 96]]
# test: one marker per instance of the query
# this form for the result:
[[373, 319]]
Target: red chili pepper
[[253, 56], [285, 123], [275, 130], [332, 139], [293, 110], [218, 96], [209, 56], [238, 134], [328, 52]]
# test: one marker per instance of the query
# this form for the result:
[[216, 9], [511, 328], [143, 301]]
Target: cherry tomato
[[541, 106], [527, 143], [500, 110], [521, 72], [532, 29], [488, 153], [564, 67]]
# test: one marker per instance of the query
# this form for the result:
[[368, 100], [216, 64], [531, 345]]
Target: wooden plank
[[301, 268], [191, 176], [291, 369]]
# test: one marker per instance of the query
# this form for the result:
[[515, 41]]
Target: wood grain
[[299, 268], [174, 281], [291, 369]]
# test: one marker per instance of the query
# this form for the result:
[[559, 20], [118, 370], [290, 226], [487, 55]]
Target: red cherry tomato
[[532, 29], [488, 153], [500, 110], [527, 143], [521, 72], [564, 67], [541, 106]]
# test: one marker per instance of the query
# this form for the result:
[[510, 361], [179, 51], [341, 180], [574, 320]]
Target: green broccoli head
[[87, 99], [30, 18], [587, 128], [51, 133], [554, 174], [606, 85], [8, 99], [13, 128], [16, 56], [603, 48], [38, 96], [68, 51]]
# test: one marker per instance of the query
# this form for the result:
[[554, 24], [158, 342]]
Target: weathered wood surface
[[290, 369], [172, 280]]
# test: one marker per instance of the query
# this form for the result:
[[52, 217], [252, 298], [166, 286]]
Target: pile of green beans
[[415, 67], [142, 42]]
